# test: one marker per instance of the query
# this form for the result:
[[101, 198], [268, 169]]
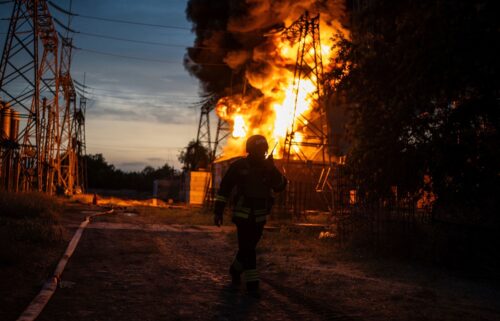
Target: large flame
[[239, 127], [284, 106]]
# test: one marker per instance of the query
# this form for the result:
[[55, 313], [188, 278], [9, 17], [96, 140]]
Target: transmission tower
[[33, 83], [68, 163], [79, 135], [312, 146], [79, 139], [203, 136]]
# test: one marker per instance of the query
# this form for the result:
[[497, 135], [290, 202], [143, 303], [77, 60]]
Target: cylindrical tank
[[1, 119], [14, 125], [5, 125]]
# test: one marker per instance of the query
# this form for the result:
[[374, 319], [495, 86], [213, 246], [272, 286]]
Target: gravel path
[[166, 274], [137, 268]]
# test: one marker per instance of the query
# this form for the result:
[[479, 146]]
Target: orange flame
[[239, 128], [284, 106]]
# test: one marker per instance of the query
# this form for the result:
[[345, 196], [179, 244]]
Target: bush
[[28, 222], [29, 205]]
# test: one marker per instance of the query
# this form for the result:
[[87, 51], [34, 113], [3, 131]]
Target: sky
[[140, 113]]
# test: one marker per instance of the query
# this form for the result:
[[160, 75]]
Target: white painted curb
[[40, 301]]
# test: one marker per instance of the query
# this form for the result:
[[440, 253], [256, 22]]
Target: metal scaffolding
[[213, 146], [308, 157], [37, 151]]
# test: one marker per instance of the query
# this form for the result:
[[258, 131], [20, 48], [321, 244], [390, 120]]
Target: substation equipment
[[314, 181], [43, 130]]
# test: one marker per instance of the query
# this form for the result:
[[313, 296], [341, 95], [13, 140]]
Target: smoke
[[242, 57], [233, 39]]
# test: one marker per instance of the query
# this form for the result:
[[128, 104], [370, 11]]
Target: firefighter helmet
[[257, 145]]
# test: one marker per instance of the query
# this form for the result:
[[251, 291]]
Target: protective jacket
[[255, 181]]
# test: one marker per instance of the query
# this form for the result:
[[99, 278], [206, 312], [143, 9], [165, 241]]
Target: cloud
[[125, 107], [132, 166]]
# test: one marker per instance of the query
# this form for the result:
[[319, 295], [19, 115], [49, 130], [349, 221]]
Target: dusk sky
[[140, 112]]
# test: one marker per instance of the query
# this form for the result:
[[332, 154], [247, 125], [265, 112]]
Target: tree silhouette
[[194, 156], [423, 87]]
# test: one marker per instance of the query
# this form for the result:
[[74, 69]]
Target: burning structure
[[265, 62]]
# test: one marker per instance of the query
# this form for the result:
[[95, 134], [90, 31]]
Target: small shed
[[196, 186]]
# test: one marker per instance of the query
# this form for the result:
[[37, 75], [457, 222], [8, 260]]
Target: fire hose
[[40, 301]]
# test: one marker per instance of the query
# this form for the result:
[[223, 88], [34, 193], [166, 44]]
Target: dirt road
[[134, 268], [130, 274]]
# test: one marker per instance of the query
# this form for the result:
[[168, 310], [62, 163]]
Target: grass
[[114, 201], [27, 220], [299, 242], [32, 240], [163, 215]]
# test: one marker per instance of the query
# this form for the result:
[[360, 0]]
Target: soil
[[131, 267]]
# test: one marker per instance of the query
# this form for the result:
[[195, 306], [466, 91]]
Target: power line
[[134, 98], [139, 23], [133, 92], [98, 52], [154, 43], [127, 57], [131, 40], [69, 13], [132, 22]]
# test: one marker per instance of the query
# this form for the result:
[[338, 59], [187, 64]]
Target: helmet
[[257, 145]]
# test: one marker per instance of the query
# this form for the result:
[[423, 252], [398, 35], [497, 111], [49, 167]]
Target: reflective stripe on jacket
[[254, 182]]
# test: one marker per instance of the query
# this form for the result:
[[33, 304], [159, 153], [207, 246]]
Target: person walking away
[[255, 178]]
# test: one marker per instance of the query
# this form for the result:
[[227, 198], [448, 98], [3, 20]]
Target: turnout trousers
[[245, 262]]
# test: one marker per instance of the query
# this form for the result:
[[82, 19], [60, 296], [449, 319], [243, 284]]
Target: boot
[[235, 276], [253, 289]]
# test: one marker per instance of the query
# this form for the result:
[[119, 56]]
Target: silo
[[14, 125], [1, 119], [5, 125]]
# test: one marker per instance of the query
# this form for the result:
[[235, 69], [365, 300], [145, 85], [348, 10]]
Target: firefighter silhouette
[[255, 178]]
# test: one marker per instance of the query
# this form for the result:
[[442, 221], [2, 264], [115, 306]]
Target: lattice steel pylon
[[68, 162], [307, 139], [203, 136], [30, 83], [79, 143], [213, 145]]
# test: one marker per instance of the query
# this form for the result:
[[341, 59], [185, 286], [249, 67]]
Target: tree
[[105, 176], [424, 88], [194, 156]]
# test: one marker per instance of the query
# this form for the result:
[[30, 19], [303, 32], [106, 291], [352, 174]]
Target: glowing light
[[298, 138], [282, 106], [239, 128]]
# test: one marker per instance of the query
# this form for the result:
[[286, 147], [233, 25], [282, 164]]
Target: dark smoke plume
[[232, 39]]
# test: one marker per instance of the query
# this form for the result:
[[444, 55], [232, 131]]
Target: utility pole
[[79, 138], [307, 139], [37, 155], [203, 136], [67, 166]]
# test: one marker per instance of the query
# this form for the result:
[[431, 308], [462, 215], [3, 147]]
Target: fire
[[239, 128], [284, 104]]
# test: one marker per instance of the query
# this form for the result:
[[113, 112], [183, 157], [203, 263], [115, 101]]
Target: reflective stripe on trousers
[[251, 275]]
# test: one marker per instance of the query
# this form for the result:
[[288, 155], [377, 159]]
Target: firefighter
[[255, 178]]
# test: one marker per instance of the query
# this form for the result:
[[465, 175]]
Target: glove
[[218, 219]]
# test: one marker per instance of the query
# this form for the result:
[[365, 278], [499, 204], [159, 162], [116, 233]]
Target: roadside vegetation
[[27, 220], [162, 215], [102, 175], [32, 240]]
